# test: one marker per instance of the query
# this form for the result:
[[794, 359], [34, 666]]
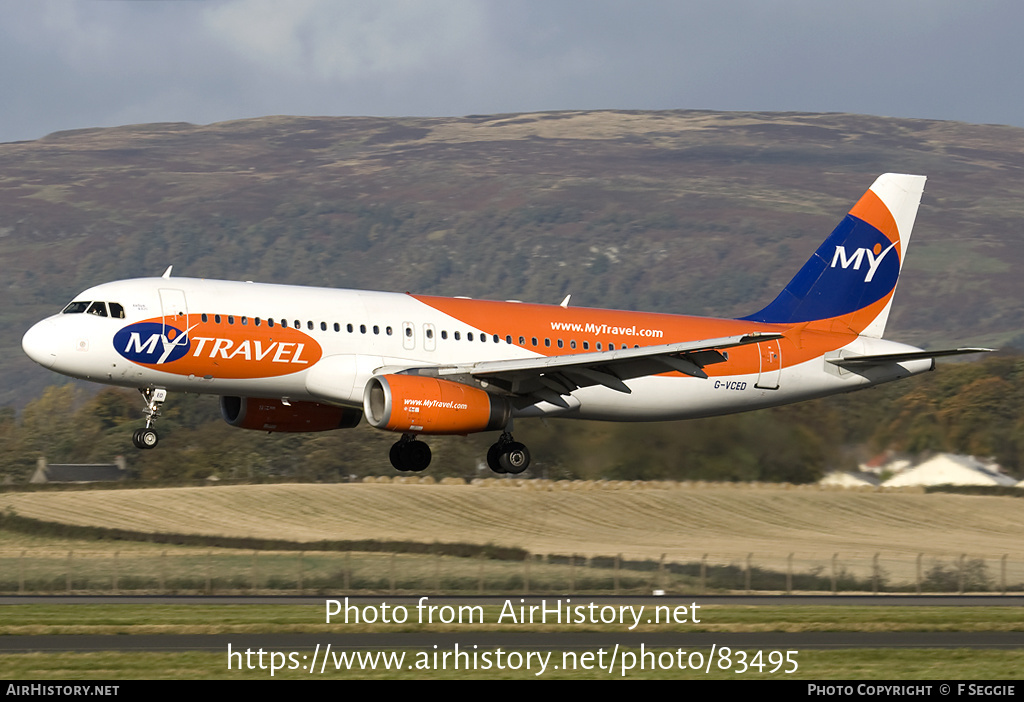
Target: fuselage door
[[175, 312], [771, 365]]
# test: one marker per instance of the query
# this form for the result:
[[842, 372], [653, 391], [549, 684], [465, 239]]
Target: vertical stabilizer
[[849, 281]]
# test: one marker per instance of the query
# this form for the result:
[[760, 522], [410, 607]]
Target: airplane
[[303, 359]]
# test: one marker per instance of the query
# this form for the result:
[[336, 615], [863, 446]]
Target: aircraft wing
[[550, 377], [886, 358]]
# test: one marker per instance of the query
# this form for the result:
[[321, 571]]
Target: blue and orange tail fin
[[849, 282]]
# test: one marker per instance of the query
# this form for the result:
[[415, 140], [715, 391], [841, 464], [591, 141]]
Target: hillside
[[687, 211]]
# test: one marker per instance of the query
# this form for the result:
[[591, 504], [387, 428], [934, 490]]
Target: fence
[[232, 571]]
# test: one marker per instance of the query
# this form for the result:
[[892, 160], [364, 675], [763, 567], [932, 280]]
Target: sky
[[69, 64]]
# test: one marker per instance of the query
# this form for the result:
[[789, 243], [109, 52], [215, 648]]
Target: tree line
[[972, 407]]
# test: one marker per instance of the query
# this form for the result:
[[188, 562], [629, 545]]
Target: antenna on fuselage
[[167, 273]]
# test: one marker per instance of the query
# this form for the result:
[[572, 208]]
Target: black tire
[[493, 459], [397, 455], [416, 456], [515, 458], [148, 439]]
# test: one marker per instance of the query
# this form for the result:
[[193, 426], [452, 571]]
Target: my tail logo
[[873, 256]]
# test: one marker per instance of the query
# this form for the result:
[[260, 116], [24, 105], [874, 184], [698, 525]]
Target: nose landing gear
[[147, 438]]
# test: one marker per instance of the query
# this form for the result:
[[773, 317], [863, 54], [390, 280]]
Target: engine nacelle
[[423, 405], [263, 414]]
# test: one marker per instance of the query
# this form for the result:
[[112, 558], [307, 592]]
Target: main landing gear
[[410, 454], [147, 438], [508, 456]]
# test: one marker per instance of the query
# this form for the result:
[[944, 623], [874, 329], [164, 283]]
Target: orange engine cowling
[[423, 405], [265, 414]]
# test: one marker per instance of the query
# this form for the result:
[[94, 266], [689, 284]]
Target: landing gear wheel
[[410, 455], [396, 456], [508, 456], [145, 438], [515, 458], [493, 454], [416, 456]]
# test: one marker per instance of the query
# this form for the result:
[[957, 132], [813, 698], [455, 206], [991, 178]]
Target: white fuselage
[[323, 345]]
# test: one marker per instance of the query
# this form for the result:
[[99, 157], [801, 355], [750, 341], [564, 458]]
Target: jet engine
[[263, 414], [424, 405]]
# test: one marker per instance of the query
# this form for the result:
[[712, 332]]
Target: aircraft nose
[[40, 343]]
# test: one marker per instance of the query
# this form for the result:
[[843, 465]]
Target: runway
[[532, 640], [514, 641]]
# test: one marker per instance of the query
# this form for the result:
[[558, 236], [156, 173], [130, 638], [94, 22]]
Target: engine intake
[[424, 405], [265, 414]]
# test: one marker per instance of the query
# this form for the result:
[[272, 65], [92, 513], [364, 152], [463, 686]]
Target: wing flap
[[550, 377]]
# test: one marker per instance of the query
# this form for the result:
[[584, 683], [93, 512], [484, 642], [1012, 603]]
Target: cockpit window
[[98, 308], [76, 307]]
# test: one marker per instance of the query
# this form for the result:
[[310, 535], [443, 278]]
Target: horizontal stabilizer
[[884, 358]]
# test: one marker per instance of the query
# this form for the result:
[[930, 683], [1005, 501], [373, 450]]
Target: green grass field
[[845, 664], [937, 664], [594, 521]]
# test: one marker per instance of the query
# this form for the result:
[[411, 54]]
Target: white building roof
[[950, 469], [848, 478]]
